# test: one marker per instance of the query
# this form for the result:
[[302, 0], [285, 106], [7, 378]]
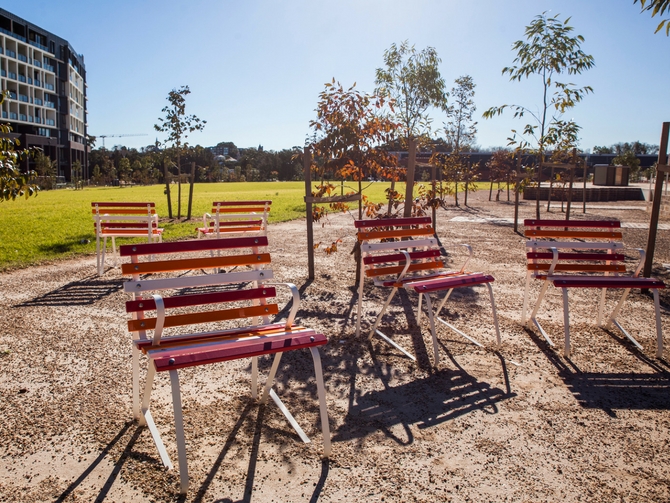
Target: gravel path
[[521, 424]]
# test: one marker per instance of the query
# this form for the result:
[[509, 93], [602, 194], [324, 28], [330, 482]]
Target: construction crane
[[103, 136]]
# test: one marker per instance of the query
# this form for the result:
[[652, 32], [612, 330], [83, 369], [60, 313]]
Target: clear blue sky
[[255, 68]]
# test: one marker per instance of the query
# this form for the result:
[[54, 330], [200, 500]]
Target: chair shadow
[[610, 391], [84, 292], [443, 396]]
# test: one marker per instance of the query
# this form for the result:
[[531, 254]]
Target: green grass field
[[57, 223]]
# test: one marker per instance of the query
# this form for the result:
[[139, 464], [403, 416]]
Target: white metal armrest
[[296, 301], [160, 319], [205, 220], [554, 261], [640, 263], [408, 261]]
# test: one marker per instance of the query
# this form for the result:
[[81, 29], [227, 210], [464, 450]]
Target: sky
[[255, 68]]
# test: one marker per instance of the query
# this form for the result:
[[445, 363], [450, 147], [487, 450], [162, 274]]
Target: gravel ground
[[520, 424]]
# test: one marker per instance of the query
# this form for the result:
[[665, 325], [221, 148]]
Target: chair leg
[[97, 254], [179, 431], [381, 313], [102, 255], [612, 318], [444, 301], [566, 323], [659, 332], [254, 377], [136, 383], [418, 311], [526, 298], [321, 390], [271, 377], [601, 306], [431, 318], [495, 314], [148, 419], [360, 300], [115, 257]]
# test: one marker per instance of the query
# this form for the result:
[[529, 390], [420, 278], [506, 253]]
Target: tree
[[13, 183], [412, 80], [46, 170], [77, 171], [124, 169], [348, 133], [178, 126], [657, 7], [548, 51]]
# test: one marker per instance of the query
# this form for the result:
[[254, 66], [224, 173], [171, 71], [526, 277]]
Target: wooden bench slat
[[452, 282], [606, 282], [400, 257], [227, 350], [148, 304], [387, 222], [193, 246], [177, 320], [385, 271], [613, 257], [605, 224], [110, 204], [572, 234], [396, 233], [242, 203], [188, 339], [123, 212], [195, 263], [619, 268]]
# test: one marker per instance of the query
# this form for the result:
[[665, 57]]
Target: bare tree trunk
[[166, 174], [190, 191], [409, 191]]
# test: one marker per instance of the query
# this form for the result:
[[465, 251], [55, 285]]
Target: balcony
[[12, 75], [11, 53], [37, 64], [30, 118], [38, 101], [30, 81], [38, 83], [38, 45], [23, 117], [7, 32], [50, 122], [4, 114], [3, 73], [50, 68], [13, 116], [22, 78], [48, 86], [12, 94], [38, 120], [49, 104], [23, 58], [24, 98]]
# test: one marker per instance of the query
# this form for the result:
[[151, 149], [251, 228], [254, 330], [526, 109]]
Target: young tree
[[548, 51], [412, 80], [657, 7], [13, 183], [46, 170], [348, 134], [178, 126]]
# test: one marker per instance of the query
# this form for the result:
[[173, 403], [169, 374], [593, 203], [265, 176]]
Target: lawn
[[58, 223]]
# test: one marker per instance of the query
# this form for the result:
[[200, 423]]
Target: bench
[[404, 253], [235, 218], [122, 220], [199, 310], [583, 254]]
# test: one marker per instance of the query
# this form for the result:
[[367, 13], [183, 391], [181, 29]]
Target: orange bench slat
[[621, 268], [603, 224], [572, 234], [452, 282], [177, 320], [385, 271]]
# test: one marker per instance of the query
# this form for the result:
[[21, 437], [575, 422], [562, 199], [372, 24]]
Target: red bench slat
[[386, 222], [193, 245], [605, 224], [241, 203], [399, 257], [198, 299], [121, 205], [614, 257], [606, 282], [227, 350], [453, 282]]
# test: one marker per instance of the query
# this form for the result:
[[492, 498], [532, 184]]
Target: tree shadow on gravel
[[84, 292], [610, 391]]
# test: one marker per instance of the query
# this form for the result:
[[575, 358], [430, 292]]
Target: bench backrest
[[384, 243], [240, 216], [124, 218], [582, 246], [187, 299]]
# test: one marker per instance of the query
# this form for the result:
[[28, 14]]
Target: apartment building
[[46, 81]]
